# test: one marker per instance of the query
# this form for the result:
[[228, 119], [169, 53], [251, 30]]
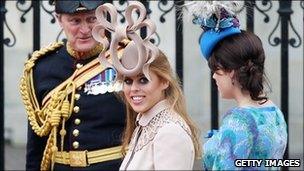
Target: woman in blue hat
[[255, 128]]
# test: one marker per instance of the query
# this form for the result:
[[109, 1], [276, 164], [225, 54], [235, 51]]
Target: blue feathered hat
[[217, 19]]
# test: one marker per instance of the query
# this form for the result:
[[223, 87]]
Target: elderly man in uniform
[[75, 119]]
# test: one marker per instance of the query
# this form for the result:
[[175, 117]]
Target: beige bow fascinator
[[139, 53]]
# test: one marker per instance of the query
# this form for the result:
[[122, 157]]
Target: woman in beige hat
[[159, 133]]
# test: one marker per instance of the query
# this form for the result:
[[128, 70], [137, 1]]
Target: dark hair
[[244, 54]]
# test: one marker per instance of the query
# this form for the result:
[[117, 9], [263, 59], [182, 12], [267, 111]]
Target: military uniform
[[75, 119], [95, 123]]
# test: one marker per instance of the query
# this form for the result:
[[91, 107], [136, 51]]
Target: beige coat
[[160, 141]]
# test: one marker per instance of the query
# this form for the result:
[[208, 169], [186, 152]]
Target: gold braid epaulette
[[45, 120], [28, 92]]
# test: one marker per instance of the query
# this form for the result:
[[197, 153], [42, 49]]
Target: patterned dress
[[246, 133], [161, 141]]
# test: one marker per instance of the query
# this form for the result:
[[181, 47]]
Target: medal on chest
[[103, 83]]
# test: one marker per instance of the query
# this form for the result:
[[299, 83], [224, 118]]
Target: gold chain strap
[[45, 120], [36, 116]]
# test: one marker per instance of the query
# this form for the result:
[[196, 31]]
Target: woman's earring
[[232, 81]]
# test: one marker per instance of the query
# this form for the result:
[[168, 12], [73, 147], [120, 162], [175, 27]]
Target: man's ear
[[59, 19]]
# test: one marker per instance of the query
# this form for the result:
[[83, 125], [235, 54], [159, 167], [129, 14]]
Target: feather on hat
[[217, 19]]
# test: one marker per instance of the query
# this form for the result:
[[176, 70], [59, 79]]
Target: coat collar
[[84, 55], [144, 118]]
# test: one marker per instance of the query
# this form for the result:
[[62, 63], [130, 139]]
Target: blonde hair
[[161, 67]]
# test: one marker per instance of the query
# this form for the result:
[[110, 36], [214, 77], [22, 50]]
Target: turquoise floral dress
[[246, 133]]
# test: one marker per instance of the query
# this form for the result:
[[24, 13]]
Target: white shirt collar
[[144, 118]]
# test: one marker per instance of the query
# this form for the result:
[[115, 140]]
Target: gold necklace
[[84, 55]]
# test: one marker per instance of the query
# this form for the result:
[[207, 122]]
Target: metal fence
[[284, 40]]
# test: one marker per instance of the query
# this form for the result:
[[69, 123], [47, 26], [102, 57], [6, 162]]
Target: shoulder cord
[[46, 120]]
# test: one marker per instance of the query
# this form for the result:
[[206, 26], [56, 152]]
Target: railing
[[250, 7], [2, 16]]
